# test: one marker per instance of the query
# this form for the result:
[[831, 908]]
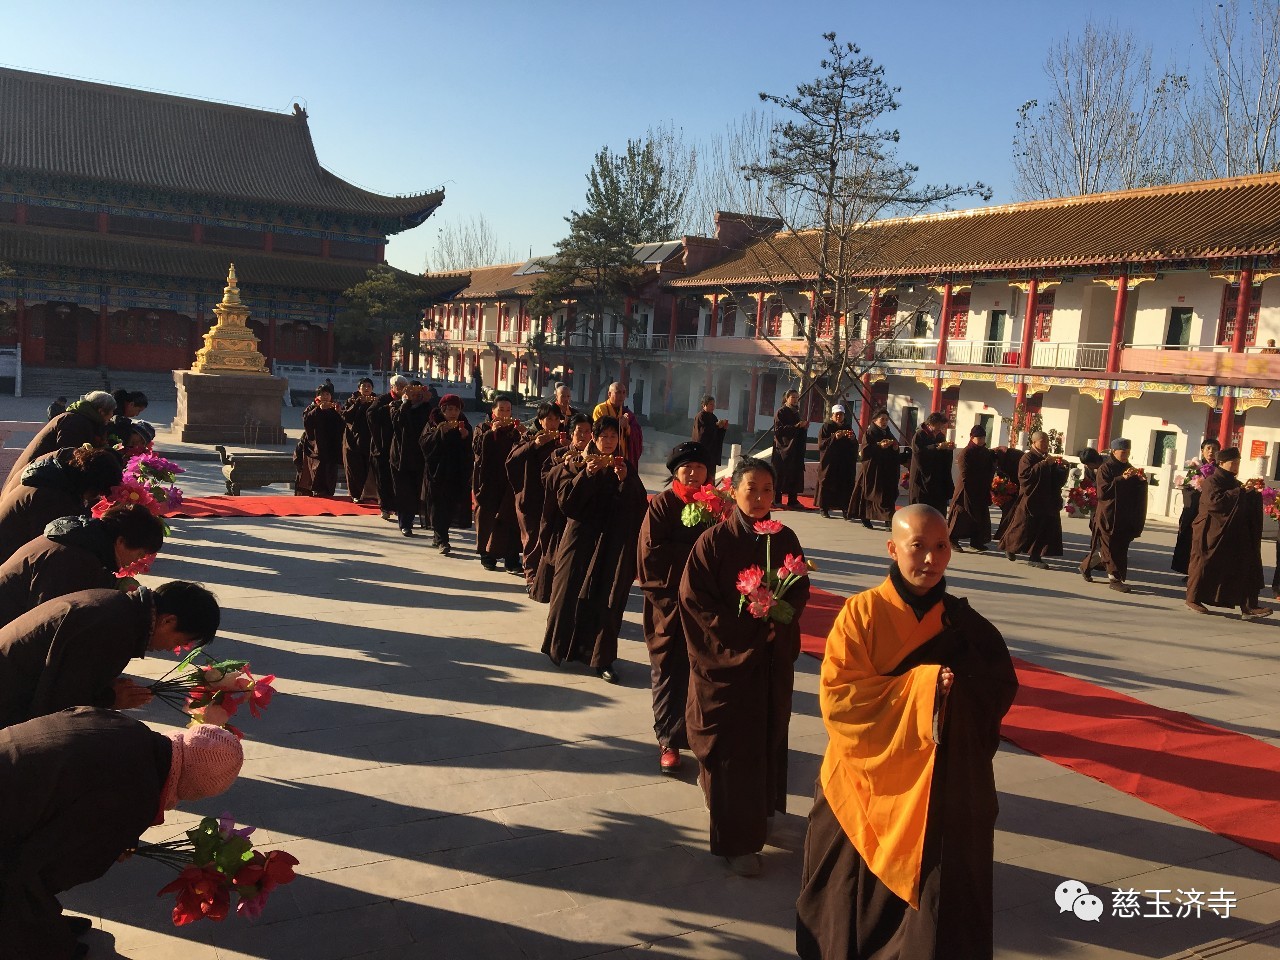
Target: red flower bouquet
[[213, 691], [762, 589], [709, 505], [1003, 491], [216, 860], [1082, 500]]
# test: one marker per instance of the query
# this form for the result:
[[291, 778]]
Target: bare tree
[[831, 178], [1107, 124], [463, 244], [679, 161], [1232, 125], [720, 183]]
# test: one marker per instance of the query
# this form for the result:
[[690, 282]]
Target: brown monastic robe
[[1035, 520], [77, 789], [542, 554], [741, 673], [789, 443], [875, 493], [322, 430], [26, 510], [71, 429], [42, 570], [380, 437], [595, 565], [1120, 517], [837, 466], [362, 480], [970, 514], [899, 850], [497, 529], [665, 544], [526, 467], [67, 652], [708, 432], [929, 479], [1226, 544], [446, 476]]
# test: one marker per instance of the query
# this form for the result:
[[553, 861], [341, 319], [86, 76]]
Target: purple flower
[[1207, 468], [227, 827]]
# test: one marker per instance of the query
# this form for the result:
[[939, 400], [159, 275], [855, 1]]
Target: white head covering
[[838, 408]]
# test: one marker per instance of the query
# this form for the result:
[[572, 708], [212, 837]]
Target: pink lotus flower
[[233, 680], [762, 601], [749, 580], [212, 714], [767, 527], [792, 566]]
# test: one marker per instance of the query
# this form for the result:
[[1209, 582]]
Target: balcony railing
[[1070, 356], [981, 353], [908, 351]]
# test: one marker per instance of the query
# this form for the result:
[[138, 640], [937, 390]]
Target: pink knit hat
[[206, 762]]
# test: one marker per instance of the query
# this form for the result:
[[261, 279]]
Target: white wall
[[1197, 290]]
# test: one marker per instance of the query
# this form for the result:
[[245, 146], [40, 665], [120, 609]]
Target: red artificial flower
[[260, 694], [279, 868], [762, 601], [767, 526], [749, 580], [251, 872], [202, 894]]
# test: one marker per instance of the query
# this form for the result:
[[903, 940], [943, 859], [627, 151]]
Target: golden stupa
[[230, 346]]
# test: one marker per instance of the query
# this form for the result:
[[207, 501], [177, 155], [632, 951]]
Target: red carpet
[[1225, 781], [202, 507]]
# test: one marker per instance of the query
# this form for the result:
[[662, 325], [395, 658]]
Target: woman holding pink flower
[[741, 596], [1197, 469], [675, 520]]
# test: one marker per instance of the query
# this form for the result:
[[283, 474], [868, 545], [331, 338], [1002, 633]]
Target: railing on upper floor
[[981, 353], [910, 351], [1070, 356]]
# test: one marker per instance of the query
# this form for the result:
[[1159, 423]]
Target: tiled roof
[[204, 265], [117, 135], [500, 280], [1191, 221]]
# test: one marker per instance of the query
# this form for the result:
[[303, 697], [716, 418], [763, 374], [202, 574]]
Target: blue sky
[[505, 103]]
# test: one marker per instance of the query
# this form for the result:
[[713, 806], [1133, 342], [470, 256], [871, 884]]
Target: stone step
[[73, 382]]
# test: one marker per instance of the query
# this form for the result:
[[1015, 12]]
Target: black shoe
[[1010, 556], [956, 547], [445, 550], [488, 562], [1087, 573], [608, 674], [826, 514], [868, 524], [406, 531], [1120, 586], [435, 543]]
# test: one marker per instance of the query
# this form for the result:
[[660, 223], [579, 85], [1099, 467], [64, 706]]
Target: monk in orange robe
[[899, 850]]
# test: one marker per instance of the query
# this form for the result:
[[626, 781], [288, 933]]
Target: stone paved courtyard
[[451, 794]]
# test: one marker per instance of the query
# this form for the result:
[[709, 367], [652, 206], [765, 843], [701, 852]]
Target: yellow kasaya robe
[[607, 409], [899, 850], [878, 767]]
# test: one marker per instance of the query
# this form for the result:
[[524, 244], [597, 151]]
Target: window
[[921, 329], [1164, 448], [1179, 332], [1227, 318], [1043, 323], [958, 316], [798, 330], [987, 422], [232, 236], [291, 243], [350, 250], [145, 227], [723, 385], [60, 217]]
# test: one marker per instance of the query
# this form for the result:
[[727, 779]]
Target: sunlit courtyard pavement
[[450, 793]]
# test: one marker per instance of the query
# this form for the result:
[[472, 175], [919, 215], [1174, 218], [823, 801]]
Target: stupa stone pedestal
[[228, 396]]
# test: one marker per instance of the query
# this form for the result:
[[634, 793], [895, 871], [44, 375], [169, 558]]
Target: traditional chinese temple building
[[1091, 316], [121, 209]]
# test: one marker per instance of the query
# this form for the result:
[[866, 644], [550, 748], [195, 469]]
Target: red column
[[20, 214], [104, 223], [197, 233], [873, 326], [268, 241], [324, 247], [1113, 359], [1024, 353], [944, 329], [328, 345], [102, 333], [864, 416], [1237, 346], [671, 332], [759, 319], [715, 316], [271, 339]]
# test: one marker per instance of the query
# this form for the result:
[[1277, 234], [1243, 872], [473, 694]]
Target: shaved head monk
[[898, 854]]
